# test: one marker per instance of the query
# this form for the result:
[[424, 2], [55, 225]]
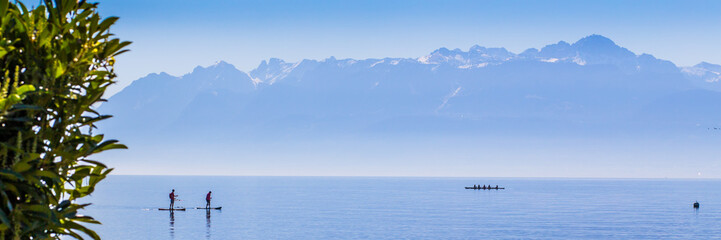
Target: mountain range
[[592, 86]]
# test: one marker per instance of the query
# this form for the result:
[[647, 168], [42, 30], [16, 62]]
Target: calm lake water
[[406, 208]]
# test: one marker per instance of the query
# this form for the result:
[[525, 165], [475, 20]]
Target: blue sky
[[175, 36]]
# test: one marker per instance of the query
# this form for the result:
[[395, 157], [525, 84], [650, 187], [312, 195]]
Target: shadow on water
[[207, 223], [172, 224]]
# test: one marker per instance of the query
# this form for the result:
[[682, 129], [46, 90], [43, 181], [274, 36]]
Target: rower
[[696, 205]]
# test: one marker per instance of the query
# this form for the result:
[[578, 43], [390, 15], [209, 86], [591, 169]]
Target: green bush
[[56, 61]]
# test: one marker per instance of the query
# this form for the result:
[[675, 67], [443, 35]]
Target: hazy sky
[[175, 36]]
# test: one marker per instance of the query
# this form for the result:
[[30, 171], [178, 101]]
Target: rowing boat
[[493, 188]]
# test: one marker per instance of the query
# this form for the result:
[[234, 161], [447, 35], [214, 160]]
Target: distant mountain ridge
[[594, 49], [705, 75], [590, 83]]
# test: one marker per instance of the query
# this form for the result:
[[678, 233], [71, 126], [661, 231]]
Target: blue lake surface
[[406, 208]]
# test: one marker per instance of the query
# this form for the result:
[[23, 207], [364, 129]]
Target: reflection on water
[[172, 224], [207, 223]]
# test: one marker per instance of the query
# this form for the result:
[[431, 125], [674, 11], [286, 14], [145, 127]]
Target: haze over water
[[408, 208]]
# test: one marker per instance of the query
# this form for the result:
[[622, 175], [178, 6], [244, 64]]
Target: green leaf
[[25, 88], [49, 174], [26, 107], [106, 24], [4, 7], [94, 162], [11, 174], [21, 167], [107, 145], [83, 229], [13, 98], [36, 208], [86, 219], [59, 69]]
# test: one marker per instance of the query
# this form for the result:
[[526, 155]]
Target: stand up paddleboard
[[216, 208], [174, 209]]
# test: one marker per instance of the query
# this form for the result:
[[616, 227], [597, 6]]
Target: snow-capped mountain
[[704, 75], [590, 84], [477, 56], [594, 50]]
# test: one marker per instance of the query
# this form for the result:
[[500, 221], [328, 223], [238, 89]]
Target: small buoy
[[696, 205]]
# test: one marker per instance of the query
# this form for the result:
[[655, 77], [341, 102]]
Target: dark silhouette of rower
[[496, 186]]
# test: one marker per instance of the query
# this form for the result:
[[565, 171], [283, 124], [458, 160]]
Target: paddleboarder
[[207, 200], [172, 199]]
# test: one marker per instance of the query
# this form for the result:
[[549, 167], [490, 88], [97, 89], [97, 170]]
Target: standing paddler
[[207, 200], [172, 199]]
